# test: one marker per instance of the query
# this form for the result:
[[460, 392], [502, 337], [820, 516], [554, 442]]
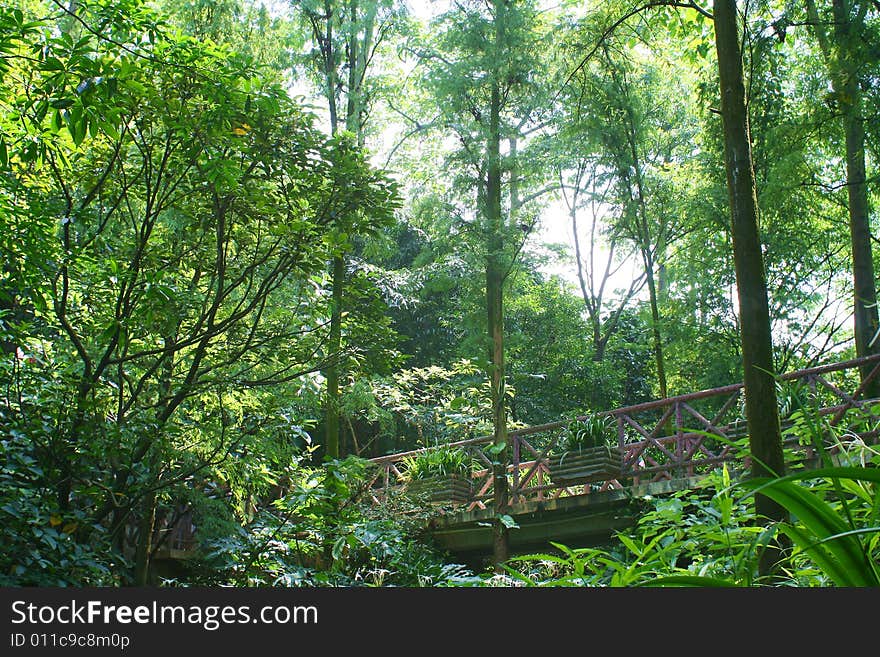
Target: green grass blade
[[853, 532], [528, 581], [872, 574]]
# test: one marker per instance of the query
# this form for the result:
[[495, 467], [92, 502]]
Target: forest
[[252, 250]]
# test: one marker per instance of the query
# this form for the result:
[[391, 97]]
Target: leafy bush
[[698, 532], [438, 463], [325, 532], [591, 431], [44, 545]]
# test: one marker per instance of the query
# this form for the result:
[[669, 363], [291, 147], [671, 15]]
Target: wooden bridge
[[665, 445]]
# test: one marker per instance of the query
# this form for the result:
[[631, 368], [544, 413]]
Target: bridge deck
[[575, 521]]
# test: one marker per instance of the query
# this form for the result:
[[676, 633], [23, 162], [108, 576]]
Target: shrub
[[591, 431], [438, 463]]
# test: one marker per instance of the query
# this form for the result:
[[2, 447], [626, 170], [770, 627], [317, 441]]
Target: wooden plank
[[529, 447], [662, 422], [837, 391], [638, 427], [709, 425], [726, 407]]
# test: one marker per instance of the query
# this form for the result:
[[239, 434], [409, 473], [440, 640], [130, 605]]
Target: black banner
[[387, 621]]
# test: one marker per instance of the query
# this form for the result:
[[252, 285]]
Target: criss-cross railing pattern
[[681, 436]]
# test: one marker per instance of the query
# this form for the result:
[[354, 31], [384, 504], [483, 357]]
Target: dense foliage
[[246, 248]]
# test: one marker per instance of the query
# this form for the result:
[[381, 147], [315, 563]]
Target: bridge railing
[[681, 436]]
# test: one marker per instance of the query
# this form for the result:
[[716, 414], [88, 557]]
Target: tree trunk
[[642, 227], [845, 82], [648, 258], [601, 330], [337, 276], [328, 55], [494, 304], [655, 327], [358, 45], [145, 541], [495, 308], [762, 415], [331, 419], [839, 54]]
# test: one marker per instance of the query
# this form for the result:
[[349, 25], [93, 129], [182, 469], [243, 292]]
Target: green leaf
[[53, 64], [135, 86], [528, 581], [845, 472], [110, 331], [822, 557], [689, 580], [496, 448], [110, 129], [457, 403], [339, 548], [819, 518], [508, 521], [79, 129]]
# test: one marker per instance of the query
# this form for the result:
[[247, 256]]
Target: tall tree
[[762, 414], [646, 134], [345, 36], [484, 73], [596, 268], [844, 48], [638, 126], [495, 275]]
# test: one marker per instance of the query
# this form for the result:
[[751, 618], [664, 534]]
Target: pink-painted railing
[[680, 436]]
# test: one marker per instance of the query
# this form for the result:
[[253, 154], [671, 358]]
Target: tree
[[844, 49], [762, 415], [483, 72], [250, 29], [553, 368], [805, 259], [196, 203], [637, 135], [584, 186], [345, 35]]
